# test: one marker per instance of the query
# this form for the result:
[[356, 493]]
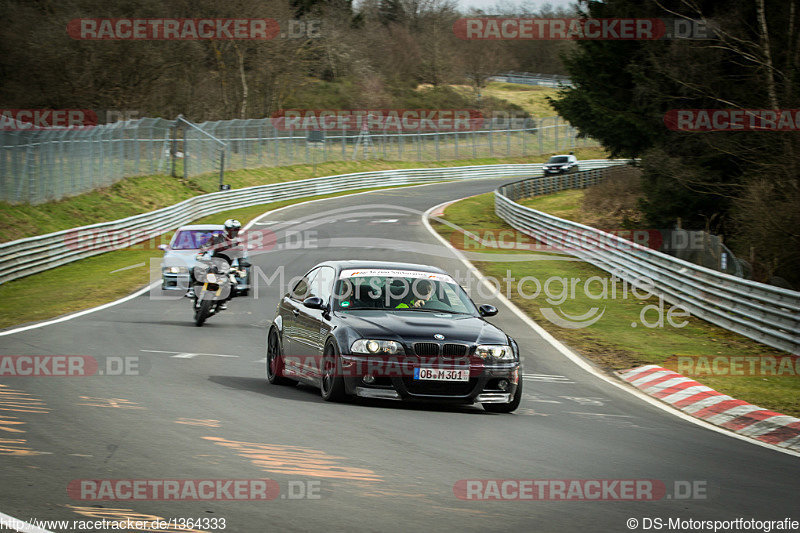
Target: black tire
[[275, 361], [331, 382], [202, 311], [506, 407]]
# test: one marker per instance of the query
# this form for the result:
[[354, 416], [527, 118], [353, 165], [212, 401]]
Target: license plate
[[441, 374]]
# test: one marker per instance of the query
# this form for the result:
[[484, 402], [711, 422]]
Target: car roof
[[202, 227], [343, 265]]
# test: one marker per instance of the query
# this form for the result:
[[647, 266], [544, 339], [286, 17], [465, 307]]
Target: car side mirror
[[163, 247], [487, 310], [314, 302]]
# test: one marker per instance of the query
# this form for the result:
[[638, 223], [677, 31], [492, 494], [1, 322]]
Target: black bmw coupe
[[393, 331]]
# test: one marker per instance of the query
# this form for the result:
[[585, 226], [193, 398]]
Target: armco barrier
[[768, 314], [36, 254]]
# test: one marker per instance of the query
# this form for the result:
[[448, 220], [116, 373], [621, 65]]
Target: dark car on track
[[561, 164], [392, 331]]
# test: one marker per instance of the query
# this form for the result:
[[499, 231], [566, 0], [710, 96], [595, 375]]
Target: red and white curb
[[716, 408]]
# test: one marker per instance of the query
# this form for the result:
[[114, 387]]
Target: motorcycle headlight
[[501, 352], [374, 347], [211, 277]]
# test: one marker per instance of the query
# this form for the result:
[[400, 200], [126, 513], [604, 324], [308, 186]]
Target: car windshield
[[405, 291], [193, 239], [558, 159]]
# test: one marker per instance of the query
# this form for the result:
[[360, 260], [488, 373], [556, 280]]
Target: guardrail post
[[185, 157], [222, 169], [173, 151], [491, 140], [555, 133]]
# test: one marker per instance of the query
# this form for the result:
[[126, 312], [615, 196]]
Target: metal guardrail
[[770, 315], [36, 254], [527, 78]]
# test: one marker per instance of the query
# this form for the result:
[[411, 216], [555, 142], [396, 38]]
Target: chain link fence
[[37, 167]]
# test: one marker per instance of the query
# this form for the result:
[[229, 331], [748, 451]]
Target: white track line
[[577, 359], [80, 313]]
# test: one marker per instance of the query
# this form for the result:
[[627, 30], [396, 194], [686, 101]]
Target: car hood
[[180, 258], [416, 326]]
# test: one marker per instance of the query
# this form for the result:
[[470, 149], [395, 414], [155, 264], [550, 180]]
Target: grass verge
[[619, 340]]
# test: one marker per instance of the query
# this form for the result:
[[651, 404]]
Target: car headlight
[[176, 270], [501, 352], [374, 347], [211, 277]]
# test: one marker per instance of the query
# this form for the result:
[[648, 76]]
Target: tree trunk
[[240, 55], [762, 21]]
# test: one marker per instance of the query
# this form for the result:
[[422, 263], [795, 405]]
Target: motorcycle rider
[[227, 246], [223, 242]]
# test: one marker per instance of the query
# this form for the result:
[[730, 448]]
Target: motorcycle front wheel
[[202, 311]]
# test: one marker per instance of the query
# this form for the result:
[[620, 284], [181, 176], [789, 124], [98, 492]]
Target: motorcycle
[[219, 280]]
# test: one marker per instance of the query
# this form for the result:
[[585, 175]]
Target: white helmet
[[232, 227]]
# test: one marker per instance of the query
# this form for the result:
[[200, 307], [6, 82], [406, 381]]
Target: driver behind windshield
[[419, 295]]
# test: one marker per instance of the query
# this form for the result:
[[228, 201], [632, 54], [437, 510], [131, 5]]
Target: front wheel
[[275, 361], [202, 311], [332, 386], [506, 407]]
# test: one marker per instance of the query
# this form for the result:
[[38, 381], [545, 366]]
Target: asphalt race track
[[369, 465]]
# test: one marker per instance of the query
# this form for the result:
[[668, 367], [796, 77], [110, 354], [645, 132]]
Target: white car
[[180, 256], [561, 164]]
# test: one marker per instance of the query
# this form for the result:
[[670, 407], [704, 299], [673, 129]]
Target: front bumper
[[399, 384], [181, 282], [175, 282], [548, 171]]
